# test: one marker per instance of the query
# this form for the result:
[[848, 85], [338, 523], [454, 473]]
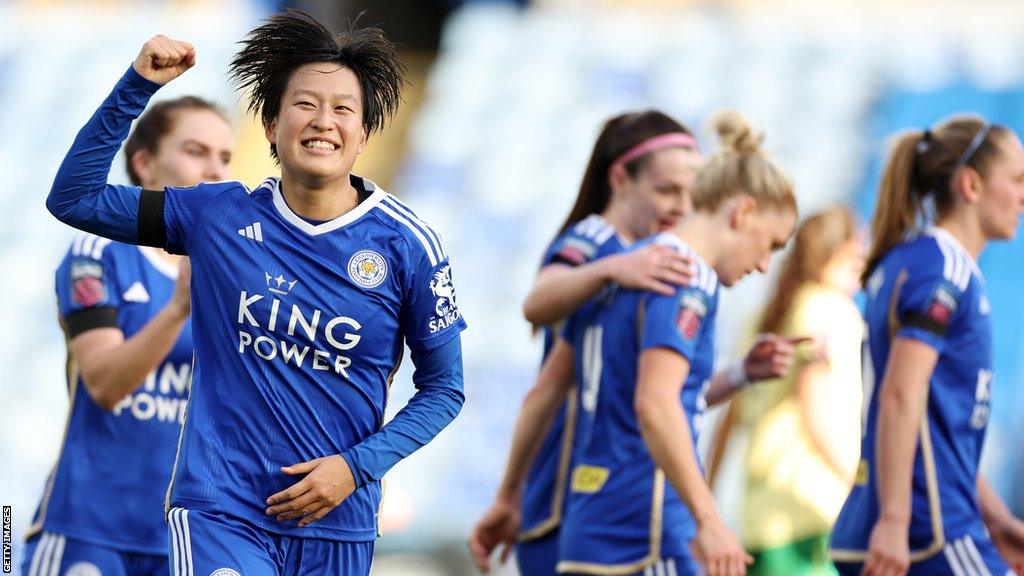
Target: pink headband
[[670, 140]]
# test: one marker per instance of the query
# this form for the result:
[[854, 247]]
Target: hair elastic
[[660, 142]]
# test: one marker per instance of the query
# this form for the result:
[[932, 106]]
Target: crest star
[[280, 280]]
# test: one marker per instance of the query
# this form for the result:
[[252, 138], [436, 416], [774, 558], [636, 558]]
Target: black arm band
[[151, 229], [88, 318], [559, 259], [925, 322]]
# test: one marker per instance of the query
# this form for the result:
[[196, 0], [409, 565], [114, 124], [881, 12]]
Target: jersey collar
[[943, 235], [377, 194]]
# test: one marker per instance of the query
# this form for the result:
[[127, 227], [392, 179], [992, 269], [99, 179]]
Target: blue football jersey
[[108, 485], [622, 515], [544, 490], [302, 330], [927, 288]]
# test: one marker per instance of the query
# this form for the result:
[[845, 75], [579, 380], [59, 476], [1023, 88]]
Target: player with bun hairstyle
[[644, 364], [305, 290], [919, 505], [635, 184], [125, 314]]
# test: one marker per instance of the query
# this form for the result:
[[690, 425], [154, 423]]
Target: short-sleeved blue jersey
[[302, 331], [112, 471], [621, 515], [929, 289], [544, 491]]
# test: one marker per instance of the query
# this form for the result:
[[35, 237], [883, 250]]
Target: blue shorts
[[205, 544], [51, 554], [538, 557], [964, 556], [678, 566]]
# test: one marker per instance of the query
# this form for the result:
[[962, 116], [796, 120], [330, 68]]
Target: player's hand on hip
[[327, 483], [498, 527], [161, 59], [719, 550], [888, 549], [653, 267]]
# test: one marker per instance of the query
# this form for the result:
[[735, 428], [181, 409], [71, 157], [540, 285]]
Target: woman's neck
[[618, 216], [319, 200], [966, 229], [703, 232]]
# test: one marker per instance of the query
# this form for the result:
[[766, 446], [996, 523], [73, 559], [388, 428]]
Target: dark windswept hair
[[157, 122], [273, 51]]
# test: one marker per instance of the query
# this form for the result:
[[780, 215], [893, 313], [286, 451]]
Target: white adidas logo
[[252, 232], [136, 293]]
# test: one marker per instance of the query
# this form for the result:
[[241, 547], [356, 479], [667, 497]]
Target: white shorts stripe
[[37, 556], [188, 542], [435, 240], [97, 250], [176, 550], [58, 555], [419, 235], [975, 556], [954, 563], [45, 564], [965, 561], [649, 571], [672, 567], [659, 568]]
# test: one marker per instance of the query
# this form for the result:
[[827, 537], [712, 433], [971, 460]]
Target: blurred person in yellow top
[[804, 430]]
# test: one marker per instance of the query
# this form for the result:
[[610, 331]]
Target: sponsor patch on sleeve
[[575, 251], [88, 283], [937, 313], [692, 310]]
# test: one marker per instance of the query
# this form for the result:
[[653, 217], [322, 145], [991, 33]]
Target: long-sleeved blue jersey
[[298, 327]]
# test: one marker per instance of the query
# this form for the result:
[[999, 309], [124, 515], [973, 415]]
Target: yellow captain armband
[[861, 478], [588, 479]]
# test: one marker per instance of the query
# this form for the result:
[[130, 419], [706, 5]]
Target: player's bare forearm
[[994, 511], [536, 417], [770, 357], [666, 431], [901, 410], [112, 366], [561, 289]]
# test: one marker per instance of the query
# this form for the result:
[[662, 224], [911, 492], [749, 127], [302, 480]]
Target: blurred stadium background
[[504, 102]]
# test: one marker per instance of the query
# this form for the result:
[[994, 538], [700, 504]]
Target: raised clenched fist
[[162, 59]]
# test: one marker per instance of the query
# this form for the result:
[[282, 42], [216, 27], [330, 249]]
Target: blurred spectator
[[804, 430]]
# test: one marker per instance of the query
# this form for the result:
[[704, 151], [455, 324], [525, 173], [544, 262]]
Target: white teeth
[[319, 144]]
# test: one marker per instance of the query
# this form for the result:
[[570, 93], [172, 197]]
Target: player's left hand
[[771, 356], [1009, 540], [327, 483]]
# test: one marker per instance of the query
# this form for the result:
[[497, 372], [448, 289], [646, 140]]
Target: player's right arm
[[80, 195], [500, 525], [927, 300], [568, 280], [664, 365], [112, 366]]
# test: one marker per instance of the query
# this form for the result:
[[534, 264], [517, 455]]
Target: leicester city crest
[[367, 268]]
